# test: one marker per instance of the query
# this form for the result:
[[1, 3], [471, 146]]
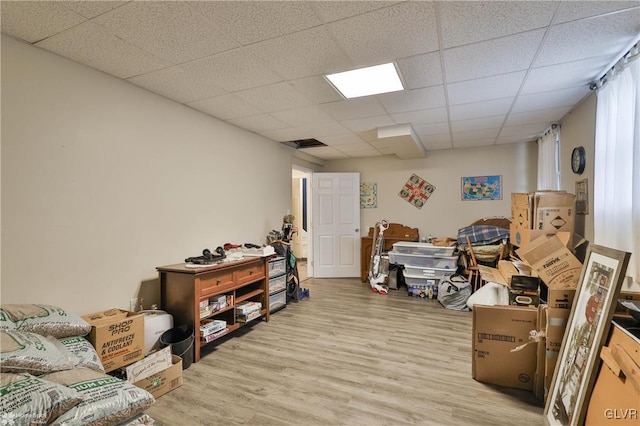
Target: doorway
[[301, 210]]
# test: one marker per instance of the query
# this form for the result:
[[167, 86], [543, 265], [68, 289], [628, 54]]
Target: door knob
[[357, 229]]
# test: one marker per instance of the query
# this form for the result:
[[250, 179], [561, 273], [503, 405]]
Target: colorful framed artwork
[[481, 188], [368, 195], [587, 329], [416, 191]]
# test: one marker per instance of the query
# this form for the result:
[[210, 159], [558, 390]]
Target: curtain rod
[[616, 67]]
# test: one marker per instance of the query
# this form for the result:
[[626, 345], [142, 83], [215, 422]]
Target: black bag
[[454, 291]]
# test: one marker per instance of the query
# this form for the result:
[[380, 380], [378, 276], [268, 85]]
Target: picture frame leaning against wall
[[587, 329]]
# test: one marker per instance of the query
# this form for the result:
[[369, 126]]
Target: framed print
[[416, 191], [588, 326], [582, 196], [368, 195], [482, 188]]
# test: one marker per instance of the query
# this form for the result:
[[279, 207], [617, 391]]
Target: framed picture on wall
[[582, 196], [481, 188], [588, 326]]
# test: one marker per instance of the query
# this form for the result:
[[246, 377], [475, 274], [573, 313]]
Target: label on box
[[151, 364]]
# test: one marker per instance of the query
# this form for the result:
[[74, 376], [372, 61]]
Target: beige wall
[[578, 129], [444, 213], [103, 181]]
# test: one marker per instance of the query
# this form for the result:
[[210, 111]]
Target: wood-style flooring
[[345, 356]]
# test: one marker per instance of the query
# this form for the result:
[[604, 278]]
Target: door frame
[[298, 172]]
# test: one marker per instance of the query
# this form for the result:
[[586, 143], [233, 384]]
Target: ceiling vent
[[400, 140], [304, 143]]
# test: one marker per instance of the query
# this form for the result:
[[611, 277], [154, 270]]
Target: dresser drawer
[[250, 273], [216, 283]]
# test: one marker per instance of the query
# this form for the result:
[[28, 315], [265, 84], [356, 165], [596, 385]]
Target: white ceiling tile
[[485, 89], [437, 146], [431, 129], [91, 9], [177, 84], [233, 70], [316, 89], [426, 116], [542, 116], [565, 75], [367, 123], [440, 139], [353, 147], [325, 151], [498, 56], [404, 29], [514, 139], [323, 130], [286, 134], [303, 116], [345, 139], [573, 10], [33, 21], [329, 11], [258, 123], [467, 143], [465, 22], [480, 109], [170, 30], [603, 35], [252, 21], [524, 132], [94, 46], [354, 108], [225, 107], [477, 124], [552, 99], [421, 70], [274, 97], [413, 100], [488, 134], [303, 54]]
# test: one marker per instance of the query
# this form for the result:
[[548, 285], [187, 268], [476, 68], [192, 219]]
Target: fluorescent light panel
[[367, 81]]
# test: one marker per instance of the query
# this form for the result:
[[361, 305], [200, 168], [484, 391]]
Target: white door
[[336, 225]]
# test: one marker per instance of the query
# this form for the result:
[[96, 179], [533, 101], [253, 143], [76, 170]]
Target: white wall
[[445, 212], [578, 128], [103, 181]]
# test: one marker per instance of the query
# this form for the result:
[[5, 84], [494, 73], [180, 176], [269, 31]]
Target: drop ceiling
[[475, 73]]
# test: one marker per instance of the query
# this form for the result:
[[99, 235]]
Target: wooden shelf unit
[[183, 288]]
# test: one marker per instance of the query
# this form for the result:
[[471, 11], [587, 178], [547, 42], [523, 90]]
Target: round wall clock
[[578, 160]]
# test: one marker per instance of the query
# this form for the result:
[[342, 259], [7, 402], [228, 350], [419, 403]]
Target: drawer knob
[[218, 282], [250, 272]]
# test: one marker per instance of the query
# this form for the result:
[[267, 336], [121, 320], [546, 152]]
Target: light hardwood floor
[[345, 356]]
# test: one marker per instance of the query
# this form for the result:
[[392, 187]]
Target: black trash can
[[181, 340]]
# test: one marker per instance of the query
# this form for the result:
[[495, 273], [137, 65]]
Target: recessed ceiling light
[[367, 81]]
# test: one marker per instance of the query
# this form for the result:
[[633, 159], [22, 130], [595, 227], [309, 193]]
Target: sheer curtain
[[548, 170], [617, 166]]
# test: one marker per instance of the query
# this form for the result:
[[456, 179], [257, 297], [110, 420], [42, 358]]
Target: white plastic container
[[408, 247], [416, 272], [155, 323], [423, 261]]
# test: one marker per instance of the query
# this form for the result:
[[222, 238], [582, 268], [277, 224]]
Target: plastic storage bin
[[422, 287], [277, 266], [423, 261], [413, 271], [277, 284], [277, 301], [407, 247]]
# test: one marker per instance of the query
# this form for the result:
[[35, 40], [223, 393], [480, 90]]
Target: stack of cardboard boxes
[[518, 345], [119, 339]]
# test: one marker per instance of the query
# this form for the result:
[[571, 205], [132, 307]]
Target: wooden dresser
[[182, 290], [395, 233]]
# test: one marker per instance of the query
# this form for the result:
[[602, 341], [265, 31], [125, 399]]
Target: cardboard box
[[561, 297], [149, 365], [164, 381], [540, 213], [615, 399], [508, 275], [556, 325], [496, 331], [552, 261], [118, 337], [538, 381]]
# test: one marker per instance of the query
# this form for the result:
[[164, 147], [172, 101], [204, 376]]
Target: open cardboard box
[[550, 258], [523, 288]]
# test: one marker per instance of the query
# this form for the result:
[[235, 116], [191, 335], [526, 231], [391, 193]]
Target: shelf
[[248, 295], [214, 313]]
